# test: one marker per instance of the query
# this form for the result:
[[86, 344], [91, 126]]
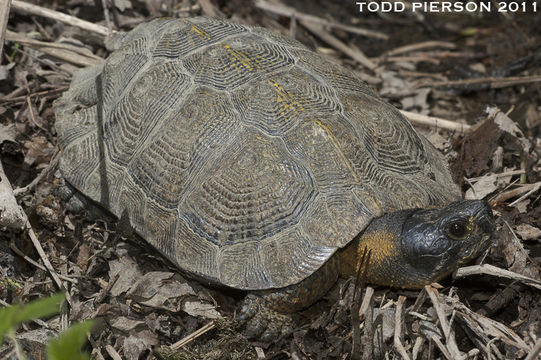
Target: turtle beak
[[485, 218]]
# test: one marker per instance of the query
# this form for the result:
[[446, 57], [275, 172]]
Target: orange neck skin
[[388, 265]]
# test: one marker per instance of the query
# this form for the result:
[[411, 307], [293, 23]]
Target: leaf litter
[[149, 310]]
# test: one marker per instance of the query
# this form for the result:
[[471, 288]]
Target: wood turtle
[[252, 162]]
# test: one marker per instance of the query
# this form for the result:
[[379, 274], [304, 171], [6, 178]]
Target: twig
[[208, 8], [284, 10], [526, 188], [417, 347], [193, 336], [32, 115], [421, 74], [4, 15], [398, 324], [452, 348], [17, 251], [360, 282], [487, 269], [355, 54], [25, 40], [367, 299], [40, 93], [368, 336], [413, 58], [11, 215], [65, 52], [535, 351], [105, 6], [419, 46], [501, 175], [56, 15], [260, 353], [536, 187], [435, 121], [45, 260], [442, 347], [493, 82], [112, 352]]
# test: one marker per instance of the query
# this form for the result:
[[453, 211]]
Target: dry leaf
[[528, 232], [7, 133], [484, 186]]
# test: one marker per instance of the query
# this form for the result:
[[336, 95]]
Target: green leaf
[[40, 308], [8, 322], [14, 315], [68, 345]]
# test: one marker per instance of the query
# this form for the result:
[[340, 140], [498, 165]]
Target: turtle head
[[437, 241], [414, 247]]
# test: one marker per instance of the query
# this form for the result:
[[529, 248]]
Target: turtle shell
[[241, 155]]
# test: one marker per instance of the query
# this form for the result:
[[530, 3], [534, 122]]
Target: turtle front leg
[[271, 313]]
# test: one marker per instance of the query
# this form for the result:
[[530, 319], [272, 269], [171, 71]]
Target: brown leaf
[[125, 324], [39, 151], [83, 255], [128, 273], [7, 133], [528, 232], [137, 343]]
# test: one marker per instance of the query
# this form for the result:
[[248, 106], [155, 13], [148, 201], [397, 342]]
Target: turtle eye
[[458, 230]]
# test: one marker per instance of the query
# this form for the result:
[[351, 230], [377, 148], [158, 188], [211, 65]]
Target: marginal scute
[[80, 160], [292, 256], [119, 69], [242, 156], [195, 254], [133, 200], [247, 273]]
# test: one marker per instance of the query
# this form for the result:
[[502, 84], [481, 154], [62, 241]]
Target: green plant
[[68, 344]]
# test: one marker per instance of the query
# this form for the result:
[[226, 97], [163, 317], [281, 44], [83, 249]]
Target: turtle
[[254, 163]]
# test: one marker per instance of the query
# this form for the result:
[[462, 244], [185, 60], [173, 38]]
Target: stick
[[11, 215], [17, 251], [419, 46], [4, 15], [494, 82], [448, 332], [355, 54], [525, 188], [487, 269], [284, 10], [56, 15], [535, 351], [25, 40], [435, 121], [6, 100], [193, 336], [208, 8], [398, 317]]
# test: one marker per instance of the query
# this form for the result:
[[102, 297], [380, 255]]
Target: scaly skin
[[409, 249]]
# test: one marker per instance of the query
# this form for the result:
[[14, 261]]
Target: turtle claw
[[263, 323]]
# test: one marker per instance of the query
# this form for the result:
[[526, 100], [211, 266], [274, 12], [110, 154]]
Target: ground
[[476, 74]]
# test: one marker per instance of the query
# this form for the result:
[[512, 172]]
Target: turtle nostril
[[486, 222]]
